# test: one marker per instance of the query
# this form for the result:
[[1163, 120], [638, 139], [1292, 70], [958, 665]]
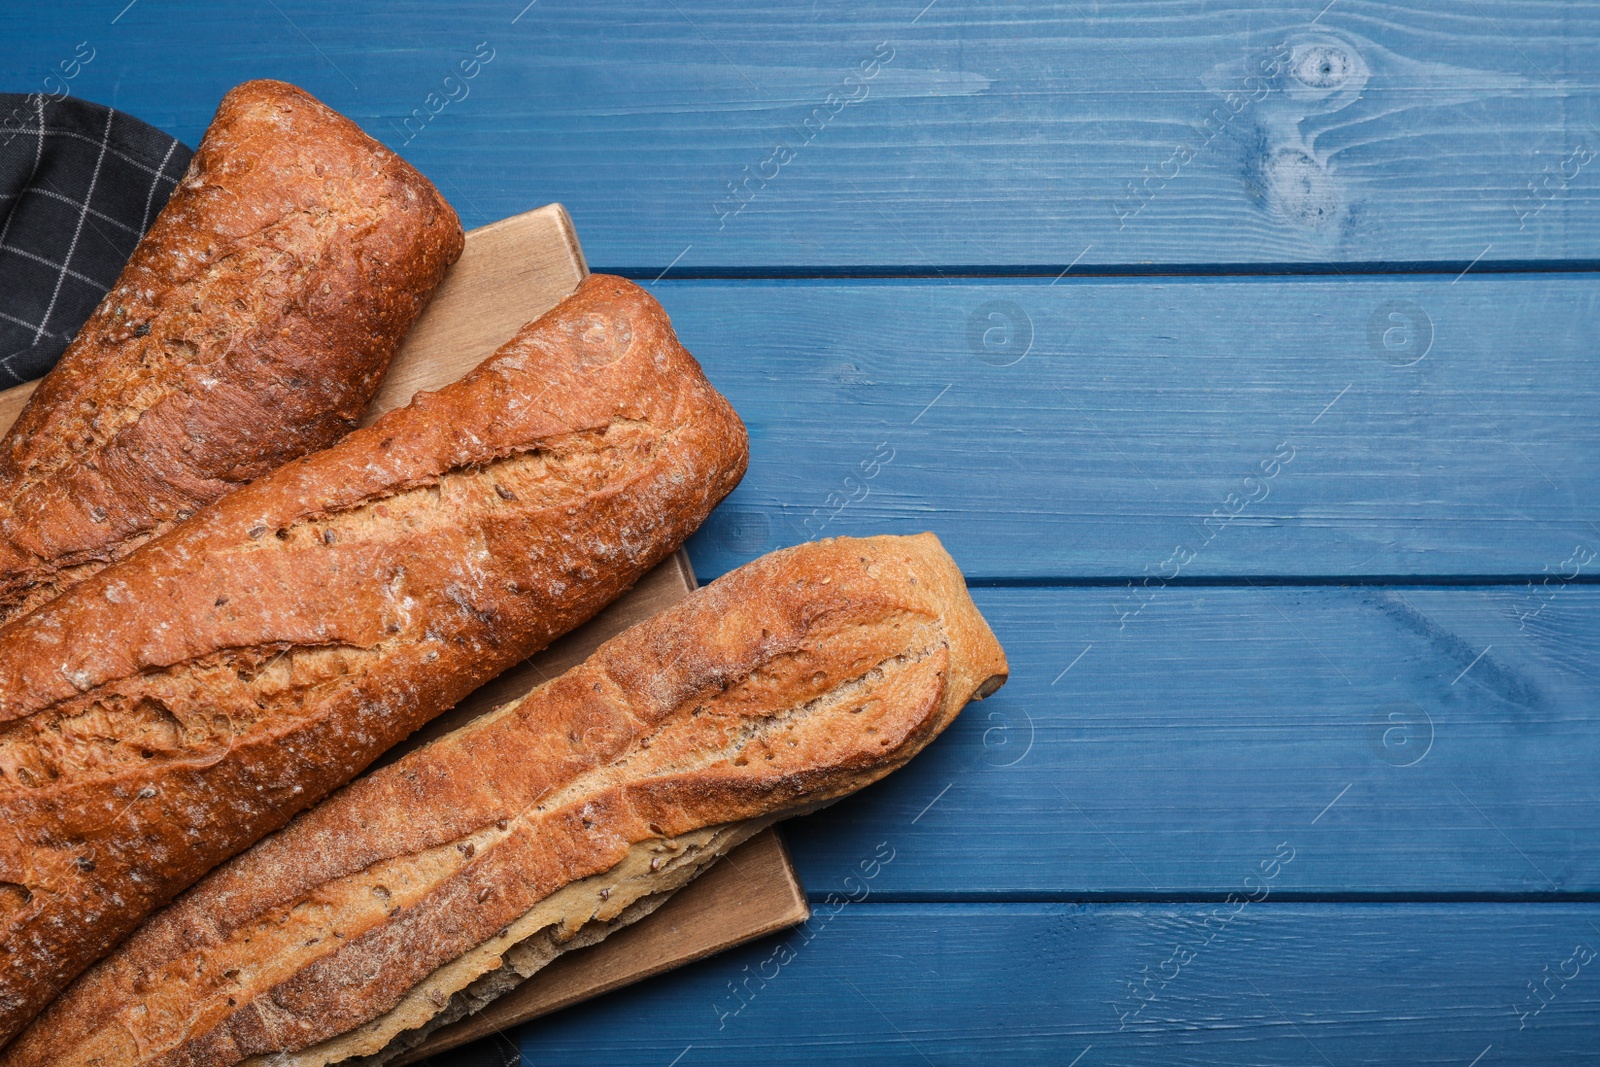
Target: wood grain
[[510, 273], [1039, 984], [1149, 762], [1131, 425], [1000, 134], [1171, 758], [12, 402]]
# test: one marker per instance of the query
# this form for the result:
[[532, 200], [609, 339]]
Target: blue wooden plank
[[1408, 741], [1162, 742], [999, 133], [870, 983], [1183, 428]]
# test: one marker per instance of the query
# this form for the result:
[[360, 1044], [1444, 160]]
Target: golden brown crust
[[252, 325], [799, 678], [174, 708]]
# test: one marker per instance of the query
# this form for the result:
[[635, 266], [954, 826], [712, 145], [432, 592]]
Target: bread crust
[[252, 325], [794, 680], [168, 712]]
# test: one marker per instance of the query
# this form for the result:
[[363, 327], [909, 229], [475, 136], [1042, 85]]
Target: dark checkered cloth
[[79, 185]]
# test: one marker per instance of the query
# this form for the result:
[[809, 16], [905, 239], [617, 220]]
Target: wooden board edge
[[13, 400], [569, 235], [510, 273], [558, 219], [582, 975], [686, 569]]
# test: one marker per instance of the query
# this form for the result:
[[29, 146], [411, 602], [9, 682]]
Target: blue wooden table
[[1243, 355]]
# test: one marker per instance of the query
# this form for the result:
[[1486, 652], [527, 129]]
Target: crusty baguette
[[174, 708], [445, 877], [252, 325]]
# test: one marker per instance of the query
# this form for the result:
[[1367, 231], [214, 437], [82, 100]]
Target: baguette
[[423, 889], [179, 705], [252, 325]]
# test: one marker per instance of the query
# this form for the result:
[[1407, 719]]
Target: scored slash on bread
[[252, 325], [422, 890], [174, 708]]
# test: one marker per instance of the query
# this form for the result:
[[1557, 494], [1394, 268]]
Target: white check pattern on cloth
[[79, 185], [83, 213]]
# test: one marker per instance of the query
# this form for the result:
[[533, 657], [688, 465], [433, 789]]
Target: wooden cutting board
[[512, 271]]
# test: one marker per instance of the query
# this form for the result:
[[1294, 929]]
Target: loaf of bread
[[434, 883], [252, 325], [182, 703]]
